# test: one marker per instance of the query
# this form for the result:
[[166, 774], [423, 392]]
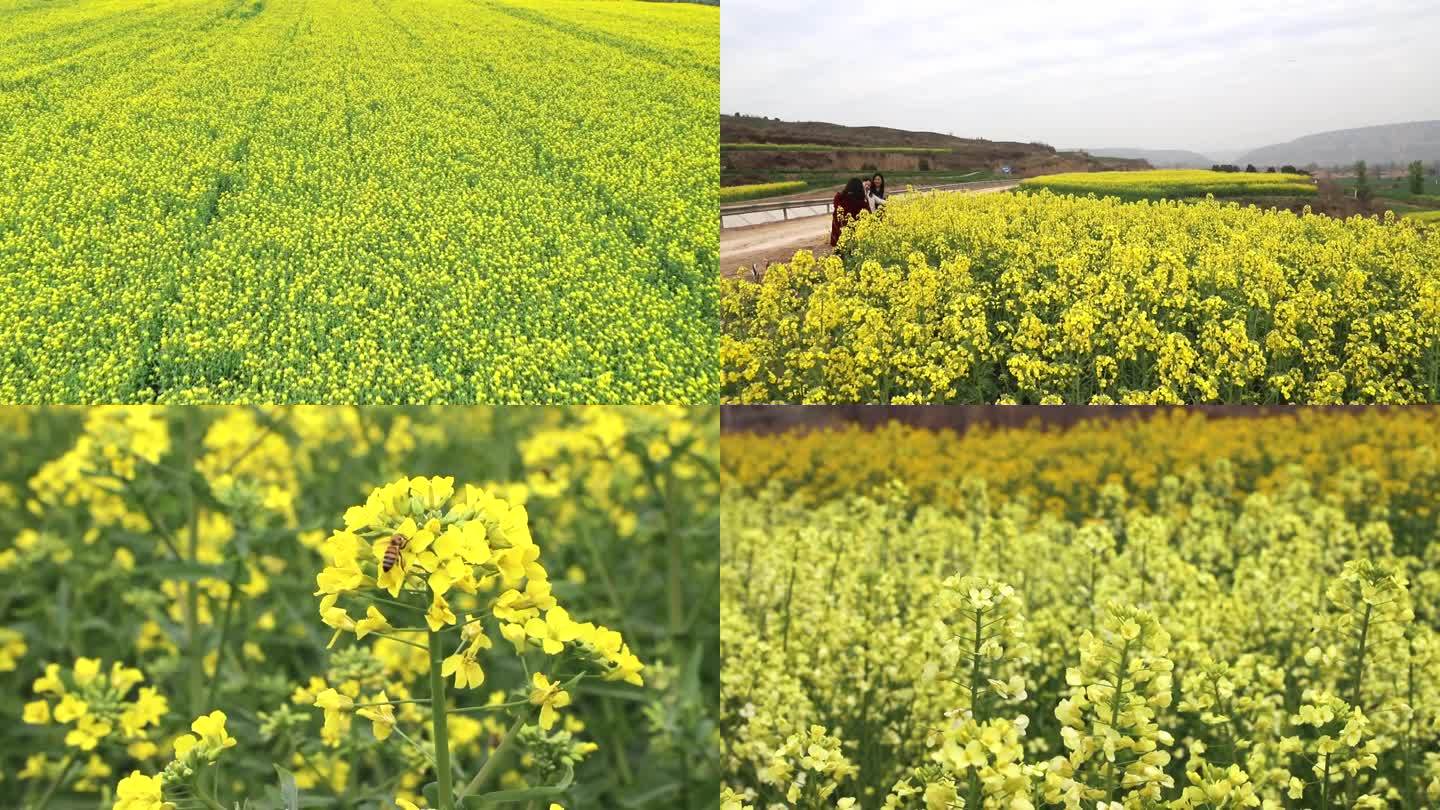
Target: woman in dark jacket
[[850, 203]]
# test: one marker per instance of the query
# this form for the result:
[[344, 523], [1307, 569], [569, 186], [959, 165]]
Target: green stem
[[789, 593], [489, 707], [50, 791], [622, 761], [383, 600], [446, 629], [1229, 724], [224, 631], [388, 703], [676, 579], [192, 595], [265, 430], [1110, 776], [206, 797], [1360, 657], [416, 746], [1408, 766], [974, 776], [433, 647], [440, 729], [617, 603], [160, 530], [492, 765], [1325, 786]]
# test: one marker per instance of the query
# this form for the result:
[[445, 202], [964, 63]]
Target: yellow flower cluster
[[1039, 298], [12, 648], [185, 542], [247, 461], [1108, 722], [418, 535], [96, 704], [116, 443], [193, 752], [597, 460], [809, 766], [1175, 184], [386, 213], [1177, 611]]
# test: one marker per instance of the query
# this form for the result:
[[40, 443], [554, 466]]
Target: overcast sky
[[1208, 76]]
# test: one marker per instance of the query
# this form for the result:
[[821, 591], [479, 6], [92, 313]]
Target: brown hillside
[[751, 129], [965, 154]]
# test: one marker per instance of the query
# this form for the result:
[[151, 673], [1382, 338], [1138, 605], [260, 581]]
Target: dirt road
[[756, 246], [742, 248]]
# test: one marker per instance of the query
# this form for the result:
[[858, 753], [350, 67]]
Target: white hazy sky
[[1219, 75]]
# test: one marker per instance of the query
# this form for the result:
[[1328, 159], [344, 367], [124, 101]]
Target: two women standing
[[856, 198]]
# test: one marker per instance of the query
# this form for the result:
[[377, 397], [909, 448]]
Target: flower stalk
[[439, 725], [492, 764]]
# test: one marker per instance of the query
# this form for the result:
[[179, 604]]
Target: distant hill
[[1159, 158], [755, 129], [764, 157], [1388, 143]]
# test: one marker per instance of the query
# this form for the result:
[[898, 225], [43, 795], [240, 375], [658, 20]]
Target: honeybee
[[392, 552]]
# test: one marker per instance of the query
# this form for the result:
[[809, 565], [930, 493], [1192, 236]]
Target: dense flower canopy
[[1184, 611], [1049, 299], [286, 201]]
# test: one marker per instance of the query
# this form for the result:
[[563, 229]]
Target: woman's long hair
[[855, 189]]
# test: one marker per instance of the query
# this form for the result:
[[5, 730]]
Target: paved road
[[756, 246]]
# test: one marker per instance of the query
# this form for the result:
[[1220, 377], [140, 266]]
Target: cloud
[[1223, 74]]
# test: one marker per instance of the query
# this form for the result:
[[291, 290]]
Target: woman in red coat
[[850, 202]]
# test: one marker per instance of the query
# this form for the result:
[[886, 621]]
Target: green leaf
[[288, 790]]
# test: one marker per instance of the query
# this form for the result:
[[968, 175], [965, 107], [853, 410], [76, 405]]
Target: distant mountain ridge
[[1387, 143], [1159, 158], [1381, 144]]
